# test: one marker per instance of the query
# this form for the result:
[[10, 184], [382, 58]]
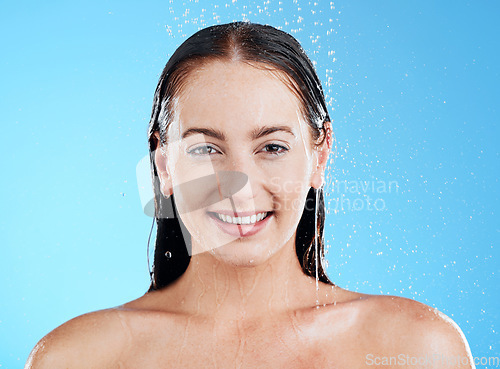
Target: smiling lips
[[251, 219], [245, 224]]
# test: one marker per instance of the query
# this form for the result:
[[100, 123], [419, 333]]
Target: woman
[[239, 141]]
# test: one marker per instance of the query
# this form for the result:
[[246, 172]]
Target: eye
[[202, 150], [275, 149]]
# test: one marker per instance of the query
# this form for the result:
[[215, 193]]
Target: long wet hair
[[258, 45]]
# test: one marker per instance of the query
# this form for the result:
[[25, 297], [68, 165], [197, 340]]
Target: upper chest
[[289, 341]]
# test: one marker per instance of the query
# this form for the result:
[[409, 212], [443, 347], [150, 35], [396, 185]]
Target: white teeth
[[242, 220]]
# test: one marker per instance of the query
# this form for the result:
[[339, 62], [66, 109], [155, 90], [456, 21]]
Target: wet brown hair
[[258, 45]]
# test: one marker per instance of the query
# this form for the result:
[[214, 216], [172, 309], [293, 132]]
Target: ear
[[161, 168], [321, 153]]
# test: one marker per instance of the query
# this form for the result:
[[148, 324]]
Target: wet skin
[[244, 301]]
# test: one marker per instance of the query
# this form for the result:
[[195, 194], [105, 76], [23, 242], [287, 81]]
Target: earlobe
[[318, 177], [161, 168], [321, 154]]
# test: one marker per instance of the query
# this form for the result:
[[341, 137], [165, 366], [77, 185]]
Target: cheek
[[289, 187], [290, 174], [194, 185], [184, 174]]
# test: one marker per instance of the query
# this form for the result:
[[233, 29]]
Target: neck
[[211, 287]]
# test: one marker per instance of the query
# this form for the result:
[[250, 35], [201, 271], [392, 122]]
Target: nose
[[243, 199]]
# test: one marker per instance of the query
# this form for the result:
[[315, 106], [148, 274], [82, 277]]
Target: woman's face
[[234, 117]]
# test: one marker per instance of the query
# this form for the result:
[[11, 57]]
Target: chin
[[245, 256]]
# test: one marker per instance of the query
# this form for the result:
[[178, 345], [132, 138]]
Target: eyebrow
[[253, 135]]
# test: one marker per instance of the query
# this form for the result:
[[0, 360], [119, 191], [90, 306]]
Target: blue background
[[413, 90]]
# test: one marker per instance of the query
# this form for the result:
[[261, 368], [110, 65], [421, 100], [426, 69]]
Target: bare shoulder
[[412, 331], [91, 340]]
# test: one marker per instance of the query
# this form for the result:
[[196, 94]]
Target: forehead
[[230, 91]]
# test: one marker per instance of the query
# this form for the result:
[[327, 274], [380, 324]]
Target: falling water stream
[[316, 251]]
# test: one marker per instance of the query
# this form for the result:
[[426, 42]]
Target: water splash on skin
[[241, 336], [127, 331], [316, 247], [303, 132]]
